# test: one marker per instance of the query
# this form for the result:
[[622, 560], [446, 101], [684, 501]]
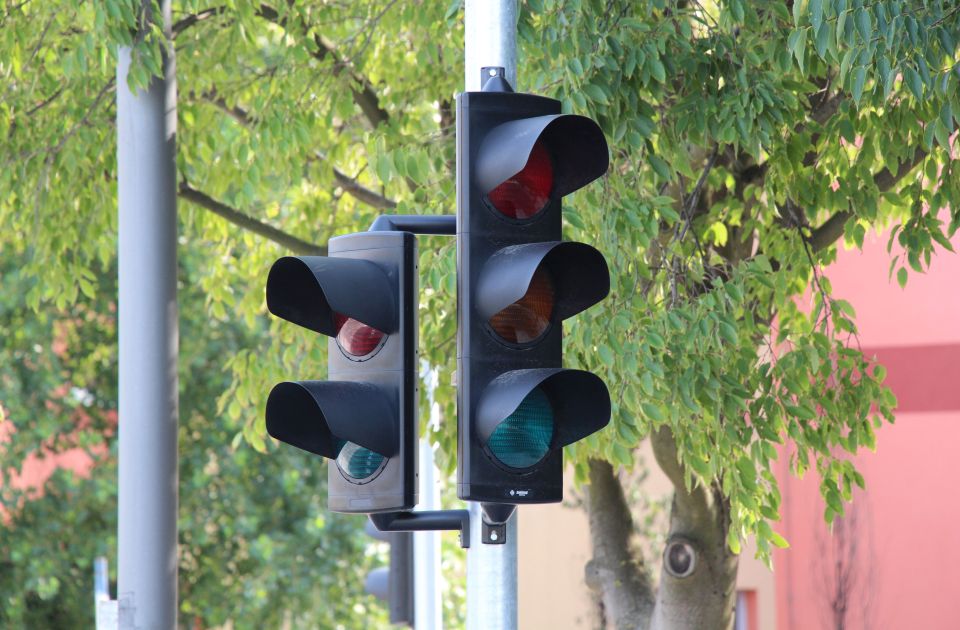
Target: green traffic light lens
[[523, 439], [357, 462]]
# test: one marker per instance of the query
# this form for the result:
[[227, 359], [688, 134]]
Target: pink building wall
[[902, 542]]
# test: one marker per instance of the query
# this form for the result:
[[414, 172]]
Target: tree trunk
[[616, 572], [705, 599], [701, 595]]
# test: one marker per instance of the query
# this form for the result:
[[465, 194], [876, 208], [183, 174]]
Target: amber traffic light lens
[[528, 318], [356, 338], [525, 194]]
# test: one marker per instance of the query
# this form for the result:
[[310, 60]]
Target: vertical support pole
[[491, 577], [426, 550], [490, 40], [147, 520]]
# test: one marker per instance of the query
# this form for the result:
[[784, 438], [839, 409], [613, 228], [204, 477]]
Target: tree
[[746, 141], [256, 544]]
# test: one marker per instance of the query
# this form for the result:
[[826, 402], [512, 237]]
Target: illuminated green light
[[523, 439], [358, 462]]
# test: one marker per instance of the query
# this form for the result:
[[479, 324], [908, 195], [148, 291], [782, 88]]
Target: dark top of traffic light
[[358, 289], [576, 145]]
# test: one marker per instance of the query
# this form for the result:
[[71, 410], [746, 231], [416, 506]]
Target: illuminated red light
[[528, 318], [525, 194], [356, 338]]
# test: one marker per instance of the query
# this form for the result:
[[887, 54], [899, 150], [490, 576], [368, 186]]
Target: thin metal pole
[[426, 550], [147, 520], [490, 39], [490, 36], [491, 577]]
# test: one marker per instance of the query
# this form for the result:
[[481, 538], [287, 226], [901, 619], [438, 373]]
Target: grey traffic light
[[363, 419]]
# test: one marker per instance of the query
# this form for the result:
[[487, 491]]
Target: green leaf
[[796, 43], [779, 540], [657, 342], [815, 10], [902, 277], [728, 333], [733, 539], [574, 218], [661, 167], [864, 24], [914, 82], [657, 70], [606, 354], [946, 116], [596, 93], [646, 382], [859, 78], [652, 411], [748, 473], [622, 455], [823, 40]]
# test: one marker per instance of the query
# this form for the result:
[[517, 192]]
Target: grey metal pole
[[491, 577], [426, 550], [490, 39], [146, 187], [490, 36]]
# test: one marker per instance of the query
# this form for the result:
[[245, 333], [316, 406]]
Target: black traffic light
[[393, 583], [363, 296], [517, 156]]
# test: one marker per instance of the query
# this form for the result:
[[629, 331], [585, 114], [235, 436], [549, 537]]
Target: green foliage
[[256, 544], [737, 130], [746, 139]]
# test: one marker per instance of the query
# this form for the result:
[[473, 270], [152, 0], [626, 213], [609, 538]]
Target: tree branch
[[350, 185], [820, 114], [616, 570], [294, 244], [364, 96], [183, 24], [832, 228]]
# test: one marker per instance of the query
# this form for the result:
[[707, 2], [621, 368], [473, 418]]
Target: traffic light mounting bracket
[[442, 224], [493, 521], [426, 520]]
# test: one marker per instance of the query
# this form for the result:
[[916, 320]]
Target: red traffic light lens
[[525, 194], [356, 338], [528, 318]]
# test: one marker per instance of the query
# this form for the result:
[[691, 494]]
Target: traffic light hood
[[319, 416], [310, 290], [579, 274], [576, 145], [579, 399]]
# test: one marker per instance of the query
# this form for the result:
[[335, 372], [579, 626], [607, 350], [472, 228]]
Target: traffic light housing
[[517, 156], [363, 297]]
